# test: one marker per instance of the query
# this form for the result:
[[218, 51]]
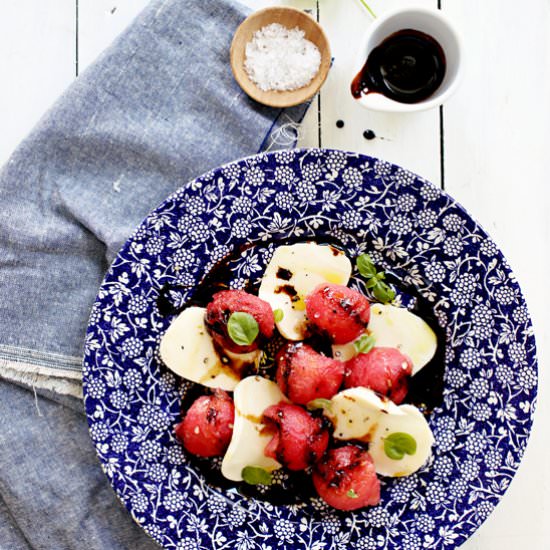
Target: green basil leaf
[[383, 292], [319, 403], [242, 328], [366, 266], [398, 444], [365, 343], [352, 494], [371, 283], [253, 475], [278, 315]]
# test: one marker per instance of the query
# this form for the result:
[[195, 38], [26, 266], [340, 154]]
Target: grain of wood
[[37, 63]]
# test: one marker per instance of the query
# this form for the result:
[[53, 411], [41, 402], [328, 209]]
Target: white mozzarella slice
[[252, 396], [345, 352], [409, 420], [396, 327], [293, 272], [359, 414], [188, 350], [355, 413]]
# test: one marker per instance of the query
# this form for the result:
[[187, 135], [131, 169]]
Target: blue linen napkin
[[159, 107]]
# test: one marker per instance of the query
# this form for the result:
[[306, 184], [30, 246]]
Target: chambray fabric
[[159, 107], [54, 494]]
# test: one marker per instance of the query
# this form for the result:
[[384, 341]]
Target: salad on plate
[[331, 411]]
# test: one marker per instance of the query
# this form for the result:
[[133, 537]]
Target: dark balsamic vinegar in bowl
[[408, 66]]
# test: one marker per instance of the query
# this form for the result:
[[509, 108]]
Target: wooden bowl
[[290, 18]]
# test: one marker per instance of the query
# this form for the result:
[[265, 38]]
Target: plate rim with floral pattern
[[407, 225]]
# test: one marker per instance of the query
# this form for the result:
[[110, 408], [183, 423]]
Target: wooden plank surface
[[496, 132], [37, 62]]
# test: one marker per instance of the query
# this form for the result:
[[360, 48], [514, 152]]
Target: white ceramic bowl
[[431, 22]]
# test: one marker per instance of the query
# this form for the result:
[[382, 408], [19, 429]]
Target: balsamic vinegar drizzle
[[284, 274], [408, 66], [220, 275], [425, 389]]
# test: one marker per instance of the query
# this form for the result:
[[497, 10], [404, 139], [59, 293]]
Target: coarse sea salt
[[278, 58]]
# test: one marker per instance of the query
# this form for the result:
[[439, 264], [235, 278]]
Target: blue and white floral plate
[[407, 225]]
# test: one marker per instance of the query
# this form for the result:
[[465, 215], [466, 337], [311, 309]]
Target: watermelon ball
[[227, 302], [207, 426], [346, 479], [338, 312], [299, 438], [383, 370], [304, 375]]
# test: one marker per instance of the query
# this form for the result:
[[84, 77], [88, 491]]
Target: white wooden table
[[487, 147]]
